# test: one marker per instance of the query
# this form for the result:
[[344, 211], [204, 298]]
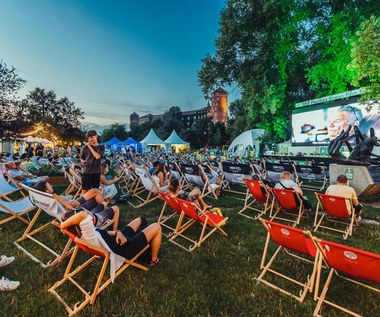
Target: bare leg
[[135, 224], [153, 235], [116, 213]]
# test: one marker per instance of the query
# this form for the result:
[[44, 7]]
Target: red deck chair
[[254, 195], [209, 222], [96, 253], [174, 205], [287, 200], [350, 261], [335, 207], [296, 243]]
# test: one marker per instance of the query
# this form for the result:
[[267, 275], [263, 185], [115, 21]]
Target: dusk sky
[[111, 57]]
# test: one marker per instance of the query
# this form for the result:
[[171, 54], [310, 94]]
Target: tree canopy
[[282, 52]]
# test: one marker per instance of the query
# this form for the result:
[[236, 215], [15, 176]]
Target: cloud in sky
[[111, 58]]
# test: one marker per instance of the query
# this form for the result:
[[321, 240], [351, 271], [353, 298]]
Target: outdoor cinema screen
[[321, 124]]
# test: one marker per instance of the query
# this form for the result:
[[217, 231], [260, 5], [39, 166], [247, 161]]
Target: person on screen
[[346, 116]]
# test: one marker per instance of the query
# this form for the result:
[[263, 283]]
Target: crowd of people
[[88, 213]]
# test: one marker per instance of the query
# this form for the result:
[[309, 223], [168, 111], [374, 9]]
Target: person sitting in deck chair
[[92, 200], [22, 177], [286, 182], [195, 195], [126, 242]]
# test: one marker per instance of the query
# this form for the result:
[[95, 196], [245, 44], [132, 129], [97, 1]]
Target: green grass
[[217, 279]]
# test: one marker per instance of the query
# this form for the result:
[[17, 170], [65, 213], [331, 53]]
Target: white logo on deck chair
[[350, 255], [285, 232]]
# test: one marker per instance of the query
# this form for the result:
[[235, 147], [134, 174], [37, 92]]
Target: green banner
[[349, 172]]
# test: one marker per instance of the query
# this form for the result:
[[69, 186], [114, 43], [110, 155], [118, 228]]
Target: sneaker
[[7, 285], [5, 260], [359, 218]]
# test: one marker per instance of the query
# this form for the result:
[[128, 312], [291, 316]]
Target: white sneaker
[[7, 285], [5, 260]]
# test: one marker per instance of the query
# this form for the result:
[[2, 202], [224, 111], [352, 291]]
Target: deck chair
[[116, 264], [6, 189], [208, 188], [176, 212], [209, 222], [287, 200], [347, 262], [297, 244], [11, 180], [74, 187], [148, 185], [255, 195], [17, 209], [234, 175], [335, 207], [49, 204]]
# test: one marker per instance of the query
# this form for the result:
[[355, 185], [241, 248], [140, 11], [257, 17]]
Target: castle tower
[[134, 120], [219, 105]]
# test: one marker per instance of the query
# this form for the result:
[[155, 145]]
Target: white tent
[[246, 142], [175, 141], [152, 139]]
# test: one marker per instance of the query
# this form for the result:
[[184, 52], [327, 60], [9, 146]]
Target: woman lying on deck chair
[[92, 200], [126, 242]]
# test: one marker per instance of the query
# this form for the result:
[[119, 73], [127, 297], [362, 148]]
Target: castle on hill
[[217, 110]]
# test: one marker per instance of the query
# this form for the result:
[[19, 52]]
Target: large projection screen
[[321, 124]]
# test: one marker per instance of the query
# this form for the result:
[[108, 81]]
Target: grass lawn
[[217, 279]]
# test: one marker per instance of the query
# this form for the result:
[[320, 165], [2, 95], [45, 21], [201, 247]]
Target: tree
[[10, 108], [61, 116], [115, 130], [366, 60], [171, 120]]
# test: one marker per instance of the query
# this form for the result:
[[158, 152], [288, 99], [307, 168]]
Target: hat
[[91, 133]]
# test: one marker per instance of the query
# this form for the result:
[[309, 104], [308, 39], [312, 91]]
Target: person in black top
[[91, 154]]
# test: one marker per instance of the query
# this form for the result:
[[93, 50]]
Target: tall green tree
[[171, 120], [366, 60], [115, 130]]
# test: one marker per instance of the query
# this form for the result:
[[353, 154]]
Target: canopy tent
[[247, 142], [31, 139], [175, 141], [152, 139], [132, 142], [113, 141]]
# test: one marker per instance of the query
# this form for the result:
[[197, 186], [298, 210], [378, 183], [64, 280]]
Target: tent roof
[[130, 141], [113, 141], [152, 138], [175, 139], [246, 138]]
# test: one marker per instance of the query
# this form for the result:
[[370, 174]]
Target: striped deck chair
[[295, 243], [116, 264], [208, 221], [47, 203], [353, 265]]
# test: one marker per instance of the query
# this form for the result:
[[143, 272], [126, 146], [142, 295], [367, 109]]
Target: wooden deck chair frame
[[183, 180], [148, 185], [208, 221], [32, 230], [313, 170], [17, 209], [176, 211], [77, 181], [208, 188], [73, 188], [347, 263], [7, 189], [97, 253], [287, 201], [338, 210], [11, 180], [296, 243], [255, 196]]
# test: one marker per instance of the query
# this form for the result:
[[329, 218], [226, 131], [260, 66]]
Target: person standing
[[91, 154]]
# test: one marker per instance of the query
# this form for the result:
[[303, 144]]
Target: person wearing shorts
[[126, 242], [91, 154]]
